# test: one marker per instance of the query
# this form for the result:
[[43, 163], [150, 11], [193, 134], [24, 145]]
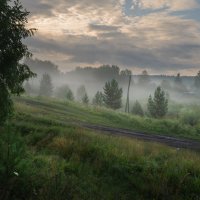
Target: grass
[[45, 156], [187, 126]]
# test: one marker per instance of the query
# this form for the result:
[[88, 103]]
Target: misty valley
[[99, 100]]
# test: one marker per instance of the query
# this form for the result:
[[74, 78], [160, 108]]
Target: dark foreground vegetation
[[45, 155]]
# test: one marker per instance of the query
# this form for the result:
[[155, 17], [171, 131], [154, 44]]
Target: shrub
[[190, 118], [64, 92], [137, 109]]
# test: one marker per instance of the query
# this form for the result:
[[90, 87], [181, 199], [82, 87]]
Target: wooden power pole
[[127, 100]]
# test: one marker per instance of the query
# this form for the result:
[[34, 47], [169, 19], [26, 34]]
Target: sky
[[161, 36]]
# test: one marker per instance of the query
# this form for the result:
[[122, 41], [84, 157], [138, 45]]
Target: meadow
[[46, 154]]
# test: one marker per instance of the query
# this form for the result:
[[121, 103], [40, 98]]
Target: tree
[[144, 79], [178, 84], [137, 109], [46, 87], [197, 81], [158, 106], [98, 99], [70, 95], [85, 99], [81, 91], [13, 31], [125, 73], [112, 95], [64, 92]]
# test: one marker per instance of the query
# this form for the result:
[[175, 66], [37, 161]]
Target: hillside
[[52, 157], [65, 112]]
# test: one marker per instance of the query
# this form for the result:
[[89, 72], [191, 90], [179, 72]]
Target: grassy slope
[[66, 112], [58, 160]]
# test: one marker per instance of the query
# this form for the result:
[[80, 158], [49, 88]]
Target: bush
[[190, 118], [137, 109], [64, 92], [12, 153], [6, 104]]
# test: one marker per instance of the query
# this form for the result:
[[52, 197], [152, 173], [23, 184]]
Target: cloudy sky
[[162, 36]]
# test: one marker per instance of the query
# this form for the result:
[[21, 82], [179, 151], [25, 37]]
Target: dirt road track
[[170, 141]]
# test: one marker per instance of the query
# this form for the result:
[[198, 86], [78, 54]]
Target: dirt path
[[170, 141]]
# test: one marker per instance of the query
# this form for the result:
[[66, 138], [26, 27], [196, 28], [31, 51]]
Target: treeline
[[110, 96], [105, 73]]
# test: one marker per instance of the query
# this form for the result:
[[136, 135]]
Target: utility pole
[[127, 100]]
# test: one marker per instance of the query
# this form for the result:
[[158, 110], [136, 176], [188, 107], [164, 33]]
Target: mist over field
[[94, 80], [99, 100]]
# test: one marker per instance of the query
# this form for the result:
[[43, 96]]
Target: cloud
[[91, 32], [173, 5]]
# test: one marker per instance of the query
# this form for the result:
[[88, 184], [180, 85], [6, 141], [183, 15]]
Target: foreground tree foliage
[[46, 86], [13, 20], [158, 106], [112, 95]]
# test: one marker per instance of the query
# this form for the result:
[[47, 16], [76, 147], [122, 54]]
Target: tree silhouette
[[112, 95], [81, 91], [144, 79], [137, 109], [46, 87], [64, 92], [85, 99], [98, 99], [70, 95], [13, 31], [158, 106], [178, 84]]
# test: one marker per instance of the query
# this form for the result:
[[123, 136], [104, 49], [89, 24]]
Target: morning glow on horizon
[[162, 36]]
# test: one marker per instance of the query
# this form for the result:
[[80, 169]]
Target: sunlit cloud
[[89, 32]]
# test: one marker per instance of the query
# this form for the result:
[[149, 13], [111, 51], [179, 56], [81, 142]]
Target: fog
[[178, 89]]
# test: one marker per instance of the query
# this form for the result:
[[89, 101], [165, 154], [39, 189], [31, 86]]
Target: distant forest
[[99, 74]]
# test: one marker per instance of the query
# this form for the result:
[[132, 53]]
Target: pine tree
[[137, 109], [98, 99], [46, 87], [158, 106], [64, 92], [81, 91], [112, 95], [70, 95], [85, 99]]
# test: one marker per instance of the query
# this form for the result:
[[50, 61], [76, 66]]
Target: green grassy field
[[46, 155], [62, 112]]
